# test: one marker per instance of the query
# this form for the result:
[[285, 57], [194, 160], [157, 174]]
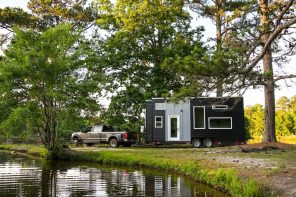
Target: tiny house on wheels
[[201, 121]]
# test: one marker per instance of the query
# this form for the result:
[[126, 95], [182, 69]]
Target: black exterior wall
[[154, 134], [235, 111]]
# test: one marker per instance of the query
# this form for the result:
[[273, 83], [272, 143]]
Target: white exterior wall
[[183, 110]]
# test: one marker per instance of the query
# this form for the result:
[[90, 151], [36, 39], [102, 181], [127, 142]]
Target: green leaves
[[144, 37], [51, 72]]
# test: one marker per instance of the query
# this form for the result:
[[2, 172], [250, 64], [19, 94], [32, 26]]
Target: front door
[[174, 128]]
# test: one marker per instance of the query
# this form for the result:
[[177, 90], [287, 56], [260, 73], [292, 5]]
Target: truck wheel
[[75, 141], [113, 143], [196, 143], [208, 142]]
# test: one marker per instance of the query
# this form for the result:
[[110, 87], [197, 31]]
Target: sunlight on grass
[[284, 139]]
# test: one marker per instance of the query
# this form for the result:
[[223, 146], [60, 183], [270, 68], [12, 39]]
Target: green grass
[[33, 150]]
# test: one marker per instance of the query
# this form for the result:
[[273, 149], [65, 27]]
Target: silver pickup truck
[[103, 134]]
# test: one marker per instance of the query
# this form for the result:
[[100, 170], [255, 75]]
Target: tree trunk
[[269, 109], [218, 20]]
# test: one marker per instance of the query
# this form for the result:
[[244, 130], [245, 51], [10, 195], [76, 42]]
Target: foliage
[[285, 118], [254, 116], [141, 36], [48, 73], [53, 12]]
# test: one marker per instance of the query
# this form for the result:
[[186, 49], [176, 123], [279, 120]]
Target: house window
[[220, 123], [160, 106], [199, 117], [219, 106], [158, 122]]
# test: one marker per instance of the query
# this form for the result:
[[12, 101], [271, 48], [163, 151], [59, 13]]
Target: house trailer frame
[[202, 121]]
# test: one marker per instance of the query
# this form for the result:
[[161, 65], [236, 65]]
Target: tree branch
[[271, 38], [277, 78]]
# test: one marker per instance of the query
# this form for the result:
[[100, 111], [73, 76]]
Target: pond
[[24, 176]]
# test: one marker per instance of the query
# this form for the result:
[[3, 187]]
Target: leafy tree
[[49, 73], [53, 12], [222, 13], [254, 116], [262, 30], [142, 37], [266, 31], [12, 17]]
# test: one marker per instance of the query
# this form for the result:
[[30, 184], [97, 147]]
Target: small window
[[219, 106], [158, 122], [199, 117], [220, 123], [160, 106]]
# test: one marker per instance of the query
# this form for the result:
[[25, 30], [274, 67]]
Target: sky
[[251, 96]]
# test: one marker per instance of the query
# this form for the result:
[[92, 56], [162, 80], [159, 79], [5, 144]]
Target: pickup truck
[[103, 134]]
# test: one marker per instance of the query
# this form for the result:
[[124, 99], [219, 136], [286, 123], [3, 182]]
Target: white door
[[174, 128]]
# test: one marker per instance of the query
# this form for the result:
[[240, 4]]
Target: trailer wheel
[[196, 143], [113, 143], [208, 142]]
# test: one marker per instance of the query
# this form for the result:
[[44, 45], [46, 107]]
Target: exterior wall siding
[[185, 111]]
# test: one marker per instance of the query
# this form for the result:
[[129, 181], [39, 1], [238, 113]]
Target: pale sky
[[251, 97]]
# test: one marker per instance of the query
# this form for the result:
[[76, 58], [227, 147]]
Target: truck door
[[106, 129], [96, 134]]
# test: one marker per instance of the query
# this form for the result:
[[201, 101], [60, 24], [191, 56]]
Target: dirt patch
[[265, 147], [247, 162], [285, 182]]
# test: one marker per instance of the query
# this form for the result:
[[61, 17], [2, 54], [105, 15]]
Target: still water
[[24, 176]]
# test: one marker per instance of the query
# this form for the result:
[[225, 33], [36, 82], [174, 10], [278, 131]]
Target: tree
[[143, 36], [53, 12], [49, 73], [254, 116], [46, 14], [222, 13], [276, 20], [12, 17], [262, 30]]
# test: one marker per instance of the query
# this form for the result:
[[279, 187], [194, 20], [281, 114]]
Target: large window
[[199, 117], [158, 122], [220, 123]]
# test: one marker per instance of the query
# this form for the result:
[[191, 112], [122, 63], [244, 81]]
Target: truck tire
[[76, 141], [208, 142], [113, 143], [196, 143]]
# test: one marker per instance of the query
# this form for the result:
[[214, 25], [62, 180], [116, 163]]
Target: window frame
[[158, 127], [204, 121], [219, 107], [211, 118]]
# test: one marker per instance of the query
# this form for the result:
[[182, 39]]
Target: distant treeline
[[285, 118]]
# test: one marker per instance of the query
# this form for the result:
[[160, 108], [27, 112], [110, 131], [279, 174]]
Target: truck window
[[98, 128], [108, 129], [87, 129]]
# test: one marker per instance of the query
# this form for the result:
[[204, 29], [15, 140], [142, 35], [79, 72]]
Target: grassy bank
[[184, 161]]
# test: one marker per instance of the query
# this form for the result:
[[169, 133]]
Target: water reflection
[[22, 176]]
